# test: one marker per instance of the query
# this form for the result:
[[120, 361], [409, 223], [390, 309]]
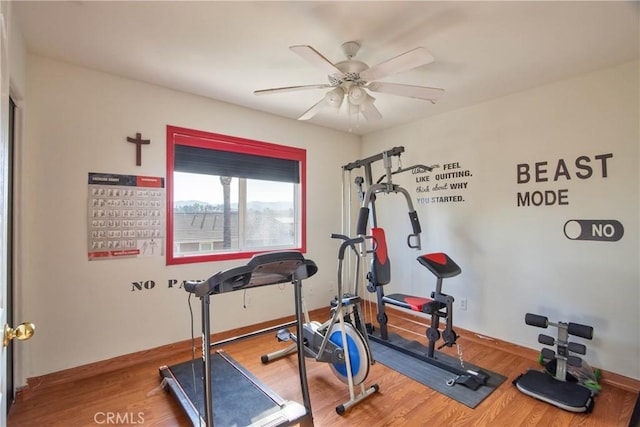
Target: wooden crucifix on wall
[[139, 142]]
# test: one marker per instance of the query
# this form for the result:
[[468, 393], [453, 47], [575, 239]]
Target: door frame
[[10, 248], [6, 188]]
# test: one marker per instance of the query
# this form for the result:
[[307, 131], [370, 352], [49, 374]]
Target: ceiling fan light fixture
[[334, 97], [357, 95]]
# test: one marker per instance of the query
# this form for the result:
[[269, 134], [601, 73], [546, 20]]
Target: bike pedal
[[283, 335]]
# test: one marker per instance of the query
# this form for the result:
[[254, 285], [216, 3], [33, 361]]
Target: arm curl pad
[[579, 330], [536, 320], [415, 223]]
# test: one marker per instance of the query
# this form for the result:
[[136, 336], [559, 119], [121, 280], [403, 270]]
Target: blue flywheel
[[358, 354]]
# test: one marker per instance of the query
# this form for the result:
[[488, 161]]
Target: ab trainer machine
[[326, 342], [556, 385], [440, 305], [239, 398]]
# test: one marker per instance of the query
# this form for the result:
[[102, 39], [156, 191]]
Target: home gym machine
[[556, 385], [440, 305], [325, 342], [229, 395]]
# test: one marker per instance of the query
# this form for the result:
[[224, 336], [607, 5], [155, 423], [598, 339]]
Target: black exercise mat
[[235, 398], [432, 376]]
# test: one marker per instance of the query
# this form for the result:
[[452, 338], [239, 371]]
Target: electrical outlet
[[463, 304]]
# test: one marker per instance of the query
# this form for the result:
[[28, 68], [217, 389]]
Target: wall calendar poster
[[126, 216]]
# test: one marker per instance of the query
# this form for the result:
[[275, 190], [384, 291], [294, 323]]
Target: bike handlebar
[[347, 242]]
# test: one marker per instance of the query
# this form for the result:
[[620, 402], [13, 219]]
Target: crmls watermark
[[119, 418]]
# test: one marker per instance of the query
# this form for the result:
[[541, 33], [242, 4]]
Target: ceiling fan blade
[[419, 92], [369, 111], [406, 61], [315, 108], [290, 89], [316, 58]]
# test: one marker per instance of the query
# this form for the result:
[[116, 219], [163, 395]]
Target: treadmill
[[217, 390]]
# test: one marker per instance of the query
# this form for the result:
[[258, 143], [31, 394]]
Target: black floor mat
[[433, 376]]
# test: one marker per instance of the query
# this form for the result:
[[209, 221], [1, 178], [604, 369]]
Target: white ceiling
[[226, 50]]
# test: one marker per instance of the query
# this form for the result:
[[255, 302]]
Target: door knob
[[22, 332]]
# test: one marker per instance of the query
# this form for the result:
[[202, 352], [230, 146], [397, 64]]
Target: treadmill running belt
[[237, 401]]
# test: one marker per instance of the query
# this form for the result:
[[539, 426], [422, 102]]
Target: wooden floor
[[134, 395]]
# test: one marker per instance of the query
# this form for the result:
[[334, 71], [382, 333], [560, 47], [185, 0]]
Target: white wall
[[77, 121], [17, 61], [517, 259]]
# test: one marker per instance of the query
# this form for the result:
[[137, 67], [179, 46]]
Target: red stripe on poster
[[126, 253], [149, 181]]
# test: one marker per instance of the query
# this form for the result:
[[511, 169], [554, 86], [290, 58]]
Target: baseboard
[[36, 384]]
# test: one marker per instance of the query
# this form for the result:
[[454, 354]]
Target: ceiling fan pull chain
[[350, 113]]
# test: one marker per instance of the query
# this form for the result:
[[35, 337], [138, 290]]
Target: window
[[230, 198]]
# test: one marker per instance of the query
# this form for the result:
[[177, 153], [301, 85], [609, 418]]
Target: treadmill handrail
[[268, 268]]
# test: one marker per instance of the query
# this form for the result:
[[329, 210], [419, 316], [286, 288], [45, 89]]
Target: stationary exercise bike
[[326, 342]]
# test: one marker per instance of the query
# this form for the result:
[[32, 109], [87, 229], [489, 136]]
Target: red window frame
[[201, 139]]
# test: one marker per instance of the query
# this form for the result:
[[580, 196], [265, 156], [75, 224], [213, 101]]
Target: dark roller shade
[[226, 163]]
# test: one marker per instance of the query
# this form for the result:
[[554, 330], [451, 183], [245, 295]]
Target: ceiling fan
[[351, 79]]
